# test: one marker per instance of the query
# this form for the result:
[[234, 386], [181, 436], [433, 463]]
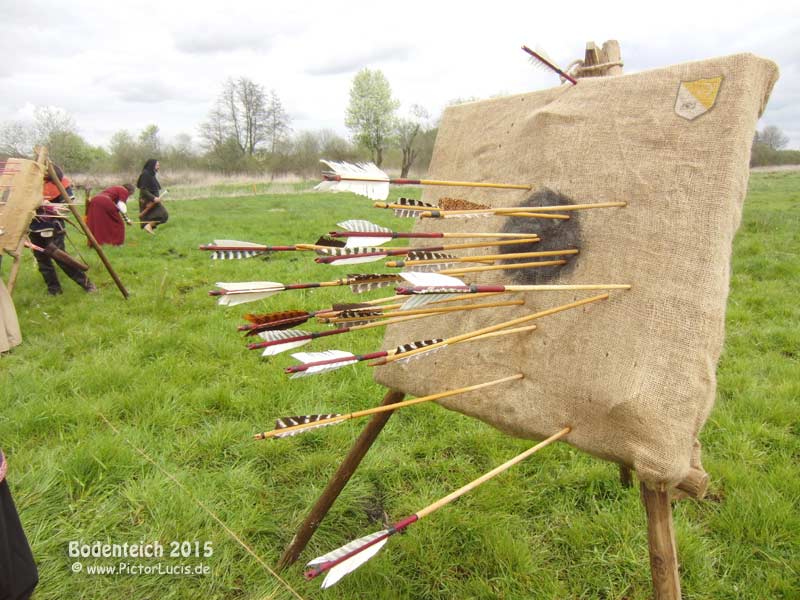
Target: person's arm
[[150, 199]]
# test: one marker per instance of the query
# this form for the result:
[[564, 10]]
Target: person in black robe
[[151, 210], [18, 573]]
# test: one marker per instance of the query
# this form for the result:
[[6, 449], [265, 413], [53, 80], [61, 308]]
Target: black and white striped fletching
[[415, 345], [285, 422], [362, 226], [408, 213], [309, 357], [283, 334], [351, 564], [243, 250], [365, 179]]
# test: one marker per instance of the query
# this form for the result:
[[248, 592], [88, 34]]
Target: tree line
[[247, 130], [769, 149]]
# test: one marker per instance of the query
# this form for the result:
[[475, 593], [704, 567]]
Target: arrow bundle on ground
[[349, 557], [366, 179], [291, 426]]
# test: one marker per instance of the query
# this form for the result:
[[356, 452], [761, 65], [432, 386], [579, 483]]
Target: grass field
[[120, 418]]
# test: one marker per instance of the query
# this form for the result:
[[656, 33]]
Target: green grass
[[169, 372]]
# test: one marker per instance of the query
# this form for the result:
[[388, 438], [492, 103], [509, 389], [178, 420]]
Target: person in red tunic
[[107, 214]]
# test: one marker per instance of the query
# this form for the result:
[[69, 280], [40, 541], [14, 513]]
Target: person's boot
[[90, 287], [55, 291]]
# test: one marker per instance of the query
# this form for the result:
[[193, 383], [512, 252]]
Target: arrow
[[347, 256], [539, 58], [281, 320], [231, 293], [487, 330], [314, 363], [363, 233], [284, 427], [281, 340], [366, 179], [348, 558], [435, 261], [465, 210], [234, 249]]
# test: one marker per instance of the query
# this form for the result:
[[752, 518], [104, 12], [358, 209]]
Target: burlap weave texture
[[634, 375]]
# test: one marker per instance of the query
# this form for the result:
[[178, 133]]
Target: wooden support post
[[12, 274], [625, 476], [661, 543], [338, 481]]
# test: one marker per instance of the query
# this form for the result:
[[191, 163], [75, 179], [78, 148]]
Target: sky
[[115, 65]]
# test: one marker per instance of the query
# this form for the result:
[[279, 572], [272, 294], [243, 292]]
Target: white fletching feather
[[430, 279], [365, 179], [247, 291], [237, 244], [283, 334], [348, 547], [308, 357], [351, 564], [355, 242], [417, 300], [362, 225]]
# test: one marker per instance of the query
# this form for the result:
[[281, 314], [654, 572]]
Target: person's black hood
[[148, 180]]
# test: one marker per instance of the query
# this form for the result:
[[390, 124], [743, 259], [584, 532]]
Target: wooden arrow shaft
[[491, 329], [389, 407]]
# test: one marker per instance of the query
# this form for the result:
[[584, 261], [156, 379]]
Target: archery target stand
[[597, 62]]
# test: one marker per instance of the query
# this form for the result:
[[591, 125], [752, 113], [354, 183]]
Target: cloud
[[354, 62], [227, 40]]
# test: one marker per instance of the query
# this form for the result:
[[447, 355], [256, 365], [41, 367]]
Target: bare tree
[[408, 130], [773, 137], [278, 121], [240, 114], [16, 139]]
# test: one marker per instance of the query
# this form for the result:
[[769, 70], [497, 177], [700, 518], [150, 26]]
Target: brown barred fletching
[[459, 204], [277, 320]]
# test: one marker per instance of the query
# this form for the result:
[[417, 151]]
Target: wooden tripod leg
[[338, 481], [661, 543], [12, 275]]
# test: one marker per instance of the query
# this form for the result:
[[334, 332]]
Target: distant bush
[[762, 155]]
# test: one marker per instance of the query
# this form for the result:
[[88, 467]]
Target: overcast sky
[[122, 65]]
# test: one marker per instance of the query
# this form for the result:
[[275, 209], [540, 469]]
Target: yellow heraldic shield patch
[[697, 97]]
